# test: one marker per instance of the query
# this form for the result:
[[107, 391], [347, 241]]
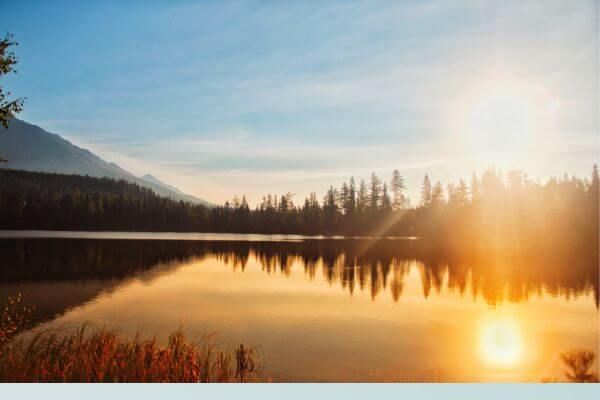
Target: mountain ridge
[[31, 148]]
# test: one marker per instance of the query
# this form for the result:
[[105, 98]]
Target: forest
[[504, 210]]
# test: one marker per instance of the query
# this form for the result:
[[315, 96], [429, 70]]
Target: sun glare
[[501, 342], [501, 120]]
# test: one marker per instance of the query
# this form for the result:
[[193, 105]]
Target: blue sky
[[249, 97]]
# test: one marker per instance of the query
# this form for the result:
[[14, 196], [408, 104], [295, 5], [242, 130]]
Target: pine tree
[[437, 194], [375, 191], [283, 205], [426, 192], [330, 209], [397, 187], [351, 197], [386, 204], [362, 199], [344, 198], [452, 194], [330, 199]]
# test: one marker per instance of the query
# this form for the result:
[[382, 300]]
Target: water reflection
[[501, 342], [340, 310], [373, 267]]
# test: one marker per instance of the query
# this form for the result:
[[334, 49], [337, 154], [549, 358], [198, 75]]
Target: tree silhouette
[[475, 188], [397, 187], [386, 204], [8, 107], [509, 215], [437, 194], [462, 194], [363, 198], [351, 204], [426, 192], [374, 191]]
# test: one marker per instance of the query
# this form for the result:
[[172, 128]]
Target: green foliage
[[8, 60]]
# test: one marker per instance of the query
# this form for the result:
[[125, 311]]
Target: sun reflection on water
[[501, 342]]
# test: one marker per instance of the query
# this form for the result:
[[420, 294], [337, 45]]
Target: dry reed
[[102, 355]]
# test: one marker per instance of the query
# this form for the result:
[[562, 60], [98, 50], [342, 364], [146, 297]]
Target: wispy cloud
[[221, 98]]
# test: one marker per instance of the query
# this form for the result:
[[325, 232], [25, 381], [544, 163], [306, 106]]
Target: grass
[[15, 318], [103, 355], [91, 354], [579, 363]]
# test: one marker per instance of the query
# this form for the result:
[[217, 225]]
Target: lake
[[321, 309]]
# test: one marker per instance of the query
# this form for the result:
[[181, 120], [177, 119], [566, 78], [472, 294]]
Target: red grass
[[102, 355]]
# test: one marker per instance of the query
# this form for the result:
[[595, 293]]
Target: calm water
[[321, 309]]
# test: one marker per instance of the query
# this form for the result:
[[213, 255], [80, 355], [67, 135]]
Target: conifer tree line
[[503, 208]]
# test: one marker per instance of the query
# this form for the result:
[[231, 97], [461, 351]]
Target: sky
[[256, 97]]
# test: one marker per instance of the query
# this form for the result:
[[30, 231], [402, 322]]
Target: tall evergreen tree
[[330, 209], [462, 194], [386, 203], [452, 194], [344, 198], [375, 191], [397, 186], [363, 197], [426, 192], [437, 194], [351, 197]]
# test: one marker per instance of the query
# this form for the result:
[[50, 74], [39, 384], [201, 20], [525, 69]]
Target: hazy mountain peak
[[29, 147], [155, 180]]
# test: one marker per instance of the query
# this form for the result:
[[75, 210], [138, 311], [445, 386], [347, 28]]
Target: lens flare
[[501, 120]]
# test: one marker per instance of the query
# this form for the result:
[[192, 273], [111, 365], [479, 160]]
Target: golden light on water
[[501, 342], [312, 326]]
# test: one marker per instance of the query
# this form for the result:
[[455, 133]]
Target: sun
[[501, 342], [501, 120]]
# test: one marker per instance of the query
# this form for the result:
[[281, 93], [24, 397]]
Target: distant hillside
[[39, 200], [29, 147], [155, 181]]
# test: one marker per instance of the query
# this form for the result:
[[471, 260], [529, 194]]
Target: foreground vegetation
[[579, 363], [92, 354], [102, 355]]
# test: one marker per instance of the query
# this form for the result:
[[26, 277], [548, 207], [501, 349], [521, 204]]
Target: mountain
[[156, 181], [31, 148], [187, 197]]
